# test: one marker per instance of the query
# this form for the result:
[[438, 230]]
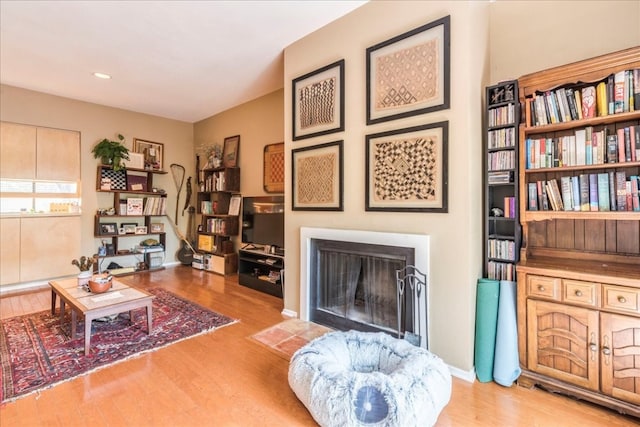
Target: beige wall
[[529, 36], [96, 122], [456, 247]]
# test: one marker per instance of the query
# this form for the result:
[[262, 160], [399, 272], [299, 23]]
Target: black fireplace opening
[[353, 286]]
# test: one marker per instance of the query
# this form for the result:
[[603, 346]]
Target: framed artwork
[[406, 169], [108, 229], [230, 151], [317, 177], [153, 153], [234, 205], [409, 74], [129, 227], [157, 227], [273, 181], [141, 229], [136, 182], [318, 102]]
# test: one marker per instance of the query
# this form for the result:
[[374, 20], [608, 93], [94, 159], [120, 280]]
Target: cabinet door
[[620, 343], [9, 250], [563, 342], [58, 155], [17, 151]]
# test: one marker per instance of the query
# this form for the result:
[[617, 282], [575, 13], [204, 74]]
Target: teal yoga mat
[[506, 365], [487, 293]]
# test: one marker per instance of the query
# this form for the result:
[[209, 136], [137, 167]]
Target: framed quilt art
[[317, 176], [409, 74], [318, 102], [406, 169], [274, 168]]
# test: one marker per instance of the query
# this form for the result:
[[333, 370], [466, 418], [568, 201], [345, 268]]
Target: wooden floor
[[226, 379]]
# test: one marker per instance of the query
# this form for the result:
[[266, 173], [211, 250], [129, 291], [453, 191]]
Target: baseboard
[[468, 376], [289, 313]]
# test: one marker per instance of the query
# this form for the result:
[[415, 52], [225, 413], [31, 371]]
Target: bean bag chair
[[369, 379]]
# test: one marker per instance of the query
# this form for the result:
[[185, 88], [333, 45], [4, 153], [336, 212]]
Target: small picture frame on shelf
[[157, 227], [128, 227], [230, 151], [141, 229], [234, 205], [121, 231], [108, 229]]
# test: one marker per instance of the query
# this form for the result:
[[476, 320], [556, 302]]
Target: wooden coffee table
[[118, 299]]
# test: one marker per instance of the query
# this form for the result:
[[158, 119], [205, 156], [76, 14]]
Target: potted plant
[[111, 153], [84, 264]]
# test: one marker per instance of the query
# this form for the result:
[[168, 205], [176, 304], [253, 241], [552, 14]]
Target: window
[[38, 196]]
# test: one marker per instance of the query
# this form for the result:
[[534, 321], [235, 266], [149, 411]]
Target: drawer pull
[[606, 351], [541, 288], [622, 299], [578, 293]]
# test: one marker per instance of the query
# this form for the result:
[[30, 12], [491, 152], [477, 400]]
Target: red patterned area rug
[[288, 336], [37, 353]]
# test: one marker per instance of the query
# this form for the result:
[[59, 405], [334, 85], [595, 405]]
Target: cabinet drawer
[[542, 286], [585, 293], [621, 298]]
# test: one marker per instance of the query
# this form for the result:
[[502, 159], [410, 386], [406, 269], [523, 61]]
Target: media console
[[262, 271]]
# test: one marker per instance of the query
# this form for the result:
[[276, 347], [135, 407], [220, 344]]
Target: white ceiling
[[185, 60]]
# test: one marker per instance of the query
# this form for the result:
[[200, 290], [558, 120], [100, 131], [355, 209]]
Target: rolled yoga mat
[[506, 365], [486, 320]]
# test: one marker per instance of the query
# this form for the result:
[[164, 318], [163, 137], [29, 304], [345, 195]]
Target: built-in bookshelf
[[502, 227]]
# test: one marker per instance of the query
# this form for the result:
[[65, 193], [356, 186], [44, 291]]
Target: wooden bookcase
[[219, 190], [579, 271], [502, 224]]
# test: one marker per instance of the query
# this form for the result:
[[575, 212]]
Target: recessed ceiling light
[[102, 75]]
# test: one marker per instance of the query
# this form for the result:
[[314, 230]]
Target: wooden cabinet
[[502, 224], [29, 152], [219, 203], [579, 270], [261, 271]]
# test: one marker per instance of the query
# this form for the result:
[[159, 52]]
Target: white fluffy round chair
[[369, 379]]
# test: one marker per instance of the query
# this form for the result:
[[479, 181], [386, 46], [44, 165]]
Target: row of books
[[501, 160], [510, 207], [618, 93], [209, 208], [501, 249], [504, 115], [155, 206], [500, 177], [585, 147], [500, 270], [143, 206], [595, 192], [501, 138], [217, 225], [215, 182]]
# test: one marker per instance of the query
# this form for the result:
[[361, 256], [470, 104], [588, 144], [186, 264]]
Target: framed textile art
[[230, 151], [273, 181], [317, 177], [318, 102], [406, 169], [409, 74]]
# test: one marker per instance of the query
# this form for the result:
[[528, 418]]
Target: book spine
[[602, 106], [621, 190], [567, 198], [593, 192], [533, 196], [584, 192], [575, 191], [635, 200], [588, 102], [627, 144], [612, 191], [555, 191], [619, 92], [612, 148], [603, 192]]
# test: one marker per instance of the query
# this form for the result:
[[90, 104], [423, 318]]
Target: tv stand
[[261, 271]]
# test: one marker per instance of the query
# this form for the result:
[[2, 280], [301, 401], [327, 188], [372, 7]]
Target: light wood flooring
[[226, 379]]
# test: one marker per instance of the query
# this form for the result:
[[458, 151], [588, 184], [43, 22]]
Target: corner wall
[[456, 245]]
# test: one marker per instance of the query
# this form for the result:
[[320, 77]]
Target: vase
[[84, 277]]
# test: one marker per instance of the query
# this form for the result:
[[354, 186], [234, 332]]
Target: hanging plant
[[111, 153]]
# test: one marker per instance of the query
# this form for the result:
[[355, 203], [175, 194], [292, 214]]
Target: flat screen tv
[[263, 221]]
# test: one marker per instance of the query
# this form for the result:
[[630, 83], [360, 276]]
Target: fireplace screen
[[355, 284]]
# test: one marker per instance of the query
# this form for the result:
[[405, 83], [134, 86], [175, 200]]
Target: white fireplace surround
[[419, 243]]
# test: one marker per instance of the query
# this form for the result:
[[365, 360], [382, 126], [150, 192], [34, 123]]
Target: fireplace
[[348, 279]]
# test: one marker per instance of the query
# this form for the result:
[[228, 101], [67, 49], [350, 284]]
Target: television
[[263, 221]]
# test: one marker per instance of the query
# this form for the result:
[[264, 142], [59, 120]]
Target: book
[[206, 243], [584, 192], [627, 144], [575, 192], [612, 191], [588, 102], [621, 145], [619, 92], [612, 148], [602, 105], [636, 89], [635, 200], [578, 99], [603, 192], [580, 141], [533, 197], [621, 190], [555, 194], [593, 192], [135, 206], [610, 94], [571, 102], [567, 197], [637, 134]]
